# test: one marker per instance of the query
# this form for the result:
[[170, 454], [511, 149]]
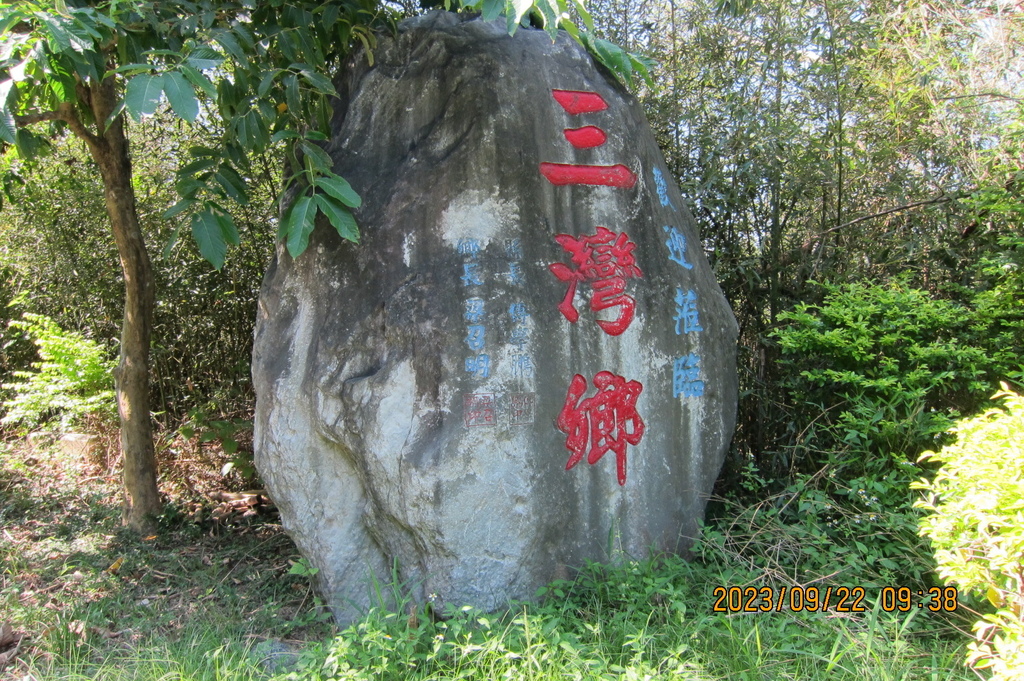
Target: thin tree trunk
[[109, 148]]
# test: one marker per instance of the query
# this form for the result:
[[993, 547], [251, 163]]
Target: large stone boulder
[[525, 364]]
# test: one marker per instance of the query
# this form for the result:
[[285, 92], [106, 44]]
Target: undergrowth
[[216, 598]]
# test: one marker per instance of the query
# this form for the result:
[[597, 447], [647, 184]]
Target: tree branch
[[993, 95], [917, 204], [65, 112], [31, 119]]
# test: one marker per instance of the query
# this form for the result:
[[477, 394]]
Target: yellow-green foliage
[[73, 378], [976, 526]]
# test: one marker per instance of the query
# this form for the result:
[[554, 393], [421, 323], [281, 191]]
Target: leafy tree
[[260, 69]]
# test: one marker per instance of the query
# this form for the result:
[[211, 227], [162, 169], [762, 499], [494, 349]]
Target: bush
[[877, 373], [976, 526], [74, 377]]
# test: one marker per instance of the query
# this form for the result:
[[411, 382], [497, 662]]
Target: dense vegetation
[[856, 171]]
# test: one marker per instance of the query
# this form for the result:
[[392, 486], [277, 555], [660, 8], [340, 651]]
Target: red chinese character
[[587, 137], [604, 260], [608, 421], [575, 103], [567, 173]]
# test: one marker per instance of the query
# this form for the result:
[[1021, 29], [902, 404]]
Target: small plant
[[976, 527], [73, 378], [227, 431]]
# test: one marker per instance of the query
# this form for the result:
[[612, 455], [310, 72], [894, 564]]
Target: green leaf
[[172, 242], [189, 187], [142, 94], [643, 66], [8, 127], [61, 35], [257, 130], [316, 156], [140, 67], [515, 10], [581, 10], [199, 80], [284, 135], [298, 225], [227, 227], [267, 81], [209, 236], [232, 183], [203, 58], [339, 216], [319, 81], [197, 166], [29, 144], [227, 40], [615, 58], [178, 208], [291, 94], [61, 78], [181, 95], [549, 10], [339, 188], [493, 9]]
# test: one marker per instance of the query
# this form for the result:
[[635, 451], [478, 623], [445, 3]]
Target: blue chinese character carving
[[514, 249], [522, 366], [676, 246], [471, 274], [518, 312], [685, 379], [480, 365], [469, 247], [662, 187], [520, 336], [475, 336], [474, 310], [515, 273], [686, 312]]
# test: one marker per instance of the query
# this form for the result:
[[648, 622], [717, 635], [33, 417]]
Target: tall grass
[[641, 620]]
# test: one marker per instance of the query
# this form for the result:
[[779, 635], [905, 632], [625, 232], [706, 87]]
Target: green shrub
[[74, 377], [976, 526], [877, 373]]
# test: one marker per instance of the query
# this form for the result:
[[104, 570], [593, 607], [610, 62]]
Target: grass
[[219, 599], [199, 597]]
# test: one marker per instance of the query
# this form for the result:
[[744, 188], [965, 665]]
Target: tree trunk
[[109, 148]]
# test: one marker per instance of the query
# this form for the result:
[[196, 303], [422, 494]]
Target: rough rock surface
[[526, 363]]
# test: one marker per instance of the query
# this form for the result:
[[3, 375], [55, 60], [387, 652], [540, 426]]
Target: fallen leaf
[[7, 635]]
